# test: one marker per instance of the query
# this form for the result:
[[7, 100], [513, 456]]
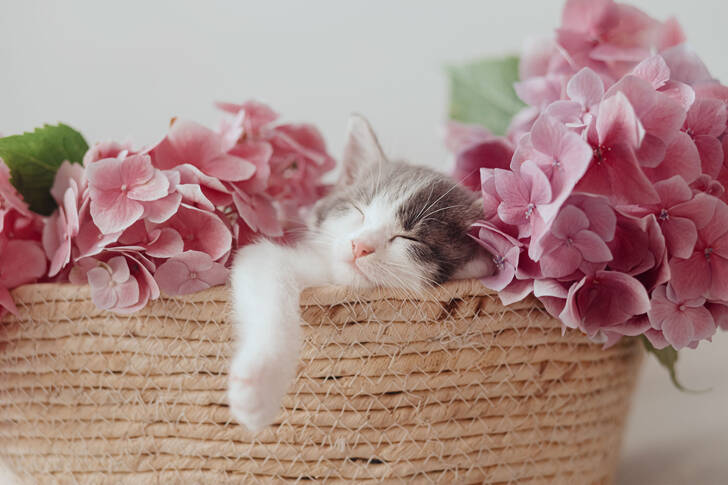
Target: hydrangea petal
[[585, 87], [592, 247], [689, 276], [680, 236], [710, 151], [654, 70], [21, 262]]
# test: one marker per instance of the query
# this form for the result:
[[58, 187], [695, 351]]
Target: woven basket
[[449, 388]]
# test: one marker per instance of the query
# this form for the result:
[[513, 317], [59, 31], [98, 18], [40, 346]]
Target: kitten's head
[[388, 223]]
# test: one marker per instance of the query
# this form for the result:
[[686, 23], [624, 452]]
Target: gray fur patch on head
[[439, 214]]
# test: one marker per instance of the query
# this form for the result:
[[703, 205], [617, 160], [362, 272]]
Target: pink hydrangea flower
[[69, 191], [22, 259], [516, 291], [201, 190], [602, 218], [585, 90], [720, 314], [602, 221], [491, 199], [560, 154], [289, 160], [112, 285], [541, 56], [189, 202], [605, 35], [120, 187], [655, 70], [614, 171], [258, 212], [685, 66], [190, 272], [505, 251], [521, 123], [682, 322], [629, 129], [201, 231], [461, 136], [660, 116], [678, 213], [159, 210], [521, 195], [701, 274], [476, 148], [69, 175], [638, 246], [259, 154], [123, 283], [681, 158], [90, 240], [154, 242], [256, 116], [656, 260], [705, 122], [188, 142], [9, 197], [107, 149], [21, 262], [552, 293], [604, 301], [633, 327], [707, 185], [670, 35], [570, 243], [540, 91], [62, 226], [298, 161]]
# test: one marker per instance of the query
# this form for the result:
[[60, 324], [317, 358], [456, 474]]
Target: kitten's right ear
[[362, 148]]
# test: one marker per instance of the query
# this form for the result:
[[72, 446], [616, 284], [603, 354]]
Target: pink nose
[[359, 249]]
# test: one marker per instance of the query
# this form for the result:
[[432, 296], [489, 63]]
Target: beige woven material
[[449, 388]]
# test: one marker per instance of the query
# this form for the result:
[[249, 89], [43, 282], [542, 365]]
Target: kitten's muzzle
[[360, 249]]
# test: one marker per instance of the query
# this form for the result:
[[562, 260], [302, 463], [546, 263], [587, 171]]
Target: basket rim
[[323, 295]]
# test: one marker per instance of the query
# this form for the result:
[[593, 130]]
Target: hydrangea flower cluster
[[133, 224], [22, 259], [607, 197]]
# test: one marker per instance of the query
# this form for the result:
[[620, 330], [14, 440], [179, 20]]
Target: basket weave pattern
[[449, 388]]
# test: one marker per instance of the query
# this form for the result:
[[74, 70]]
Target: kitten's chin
[[348, 274]]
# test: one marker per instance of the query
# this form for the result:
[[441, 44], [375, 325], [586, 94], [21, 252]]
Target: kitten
[[384, 224]]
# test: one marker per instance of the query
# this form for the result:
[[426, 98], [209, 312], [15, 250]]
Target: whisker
[[454, 186], [430, 214]]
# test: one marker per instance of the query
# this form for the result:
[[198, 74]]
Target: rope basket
[[451, 387]]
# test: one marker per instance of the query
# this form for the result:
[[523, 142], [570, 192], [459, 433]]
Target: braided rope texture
[[448, 387]]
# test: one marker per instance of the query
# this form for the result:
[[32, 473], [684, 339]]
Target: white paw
[[256, 387]]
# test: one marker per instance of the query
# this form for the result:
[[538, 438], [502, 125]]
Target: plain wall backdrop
[[120, 70]]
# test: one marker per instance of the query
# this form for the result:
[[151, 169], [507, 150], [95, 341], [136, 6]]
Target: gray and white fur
[[386, 223]]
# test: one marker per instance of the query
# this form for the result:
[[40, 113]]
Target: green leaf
[[33, 159], [668, 358], [482, 92]]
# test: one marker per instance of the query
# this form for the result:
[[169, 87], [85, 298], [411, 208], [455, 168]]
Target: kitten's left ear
[[362, 148]]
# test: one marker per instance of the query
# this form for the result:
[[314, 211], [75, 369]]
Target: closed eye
[[405, 236]]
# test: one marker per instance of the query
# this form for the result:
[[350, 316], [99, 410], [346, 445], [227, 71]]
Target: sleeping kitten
[[384, 224]]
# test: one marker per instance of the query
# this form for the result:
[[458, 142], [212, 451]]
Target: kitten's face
[[368, 245], [393, 224]]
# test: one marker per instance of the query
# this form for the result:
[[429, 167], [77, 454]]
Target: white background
[[120, 70]]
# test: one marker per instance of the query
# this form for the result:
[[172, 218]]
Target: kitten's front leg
[[266, 283]]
